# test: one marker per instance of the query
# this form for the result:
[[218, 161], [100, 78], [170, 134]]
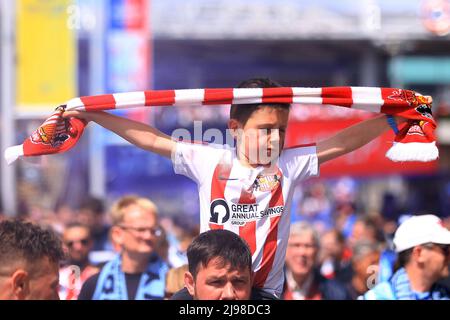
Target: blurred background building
[[55, 50]]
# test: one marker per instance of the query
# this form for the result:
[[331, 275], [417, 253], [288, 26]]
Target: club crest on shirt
[[266, 182]]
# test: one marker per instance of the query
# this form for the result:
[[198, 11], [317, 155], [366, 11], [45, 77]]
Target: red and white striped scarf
[[415, 140]]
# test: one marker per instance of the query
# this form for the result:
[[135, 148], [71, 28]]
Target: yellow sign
[[46, 55]]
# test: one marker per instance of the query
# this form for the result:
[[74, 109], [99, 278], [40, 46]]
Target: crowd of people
[[253, 240], [129, 251]]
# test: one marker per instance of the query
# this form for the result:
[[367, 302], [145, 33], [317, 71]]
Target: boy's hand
[[84, 115]]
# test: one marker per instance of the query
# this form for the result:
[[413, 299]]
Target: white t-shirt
[[251, 202]]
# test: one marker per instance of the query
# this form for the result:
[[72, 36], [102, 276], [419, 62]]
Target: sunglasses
[[84, 242]]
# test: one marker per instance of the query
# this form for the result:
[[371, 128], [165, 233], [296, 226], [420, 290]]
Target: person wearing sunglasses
[[422, 243], [137, 272], [78, 243]]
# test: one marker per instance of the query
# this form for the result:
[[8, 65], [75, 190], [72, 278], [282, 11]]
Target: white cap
[[419, 230]]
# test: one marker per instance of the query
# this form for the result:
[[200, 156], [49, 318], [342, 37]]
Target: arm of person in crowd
[[353, 137], [137, 133]]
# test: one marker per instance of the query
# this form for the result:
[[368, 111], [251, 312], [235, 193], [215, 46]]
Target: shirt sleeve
[[301, 162], [196, 161]]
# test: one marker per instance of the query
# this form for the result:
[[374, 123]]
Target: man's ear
[[20, 282], [417, 254], [189, 283], [117, 236]]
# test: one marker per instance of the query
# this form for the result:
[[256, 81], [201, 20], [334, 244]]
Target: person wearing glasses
[[422, 243], [137, 272], [78, 242]]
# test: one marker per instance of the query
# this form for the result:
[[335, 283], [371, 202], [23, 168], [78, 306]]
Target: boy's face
[[261, 139]]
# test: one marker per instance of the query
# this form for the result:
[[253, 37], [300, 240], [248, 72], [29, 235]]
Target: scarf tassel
[[413, 151]]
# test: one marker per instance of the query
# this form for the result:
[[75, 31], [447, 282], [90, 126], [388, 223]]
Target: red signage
[[368, 160]]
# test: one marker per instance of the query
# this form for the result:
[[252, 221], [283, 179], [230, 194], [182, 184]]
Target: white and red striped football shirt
[[251, 202]]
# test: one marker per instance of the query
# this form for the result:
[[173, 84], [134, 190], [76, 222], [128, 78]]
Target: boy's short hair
[[242, 112], [223, 244], [117, 210]]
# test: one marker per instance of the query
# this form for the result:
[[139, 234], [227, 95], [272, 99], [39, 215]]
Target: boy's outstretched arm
[[137, 133], [353, 138]]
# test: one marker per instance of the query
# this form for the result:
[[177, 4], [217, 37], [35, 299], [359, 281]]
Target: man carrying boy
[[248, 189]]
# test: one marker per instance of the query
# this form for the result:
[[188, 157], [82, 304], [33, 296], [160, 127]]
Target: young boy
[[248, 189]]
